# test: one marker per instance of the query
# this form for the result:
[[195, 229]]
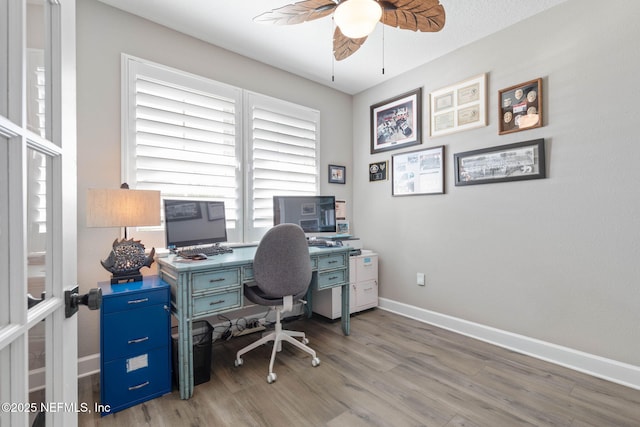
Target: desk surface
[[239, 256]]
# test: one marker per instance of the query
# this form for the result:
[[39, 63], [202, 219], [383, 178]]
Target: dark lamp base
[[125, 278]]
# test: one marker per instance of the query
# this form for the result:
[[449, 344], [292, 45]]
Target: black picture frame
[[512, 162], [397, 122], [379, 171], [337, 174]]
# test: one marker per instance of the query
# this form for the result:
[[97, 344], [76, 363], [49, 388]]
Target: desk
[[203, 288]]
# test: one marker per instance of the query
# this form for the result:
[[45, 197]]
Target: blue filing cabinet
[[135, 342]]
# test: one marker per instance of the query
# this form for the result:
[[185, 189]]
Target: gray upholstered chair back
[[281, 265]]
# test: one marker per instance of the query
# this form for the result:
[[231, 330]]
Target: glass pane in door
[[36, 73], [37, 370], [38, 283], [4, 232]]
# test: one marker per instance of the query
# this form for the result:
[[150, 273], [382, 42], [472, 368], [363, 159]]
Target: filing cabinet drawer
[[126, 335], [367, 268], [329, 279], [329, 262], [136, 379], [216, 279], [134, 300], [211, 303]]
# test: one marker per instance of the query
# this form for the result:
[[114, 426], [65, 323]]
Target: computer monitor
[[315, 214], [194, 222]]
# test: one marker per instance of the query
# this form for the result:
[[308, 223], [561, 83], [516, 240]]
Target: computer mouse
[[199, 257]]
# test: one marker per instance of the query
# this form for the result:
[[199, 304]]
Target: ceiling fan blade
[[415, 15], [297, 13], [343, 46]]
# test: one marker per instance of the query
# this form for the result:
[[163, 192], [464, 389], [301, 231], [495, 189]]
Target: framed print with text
[[520, 107], [418, 172], [458, 107], [396, 122], [511, 162]]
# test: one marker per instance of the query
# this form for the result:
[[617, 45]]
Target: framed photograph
[[337, 174], [342, 227], [512, 162], [520, 107], [396, 122], [458, 107], [418, 172], [378, 171]]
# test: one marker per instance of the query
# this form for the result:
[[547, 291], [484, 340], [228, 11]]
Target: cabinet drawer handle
[[222, 279], [137, 340], [138, 301], [332, 262], [139, 386], [333, 277], [216, 302]]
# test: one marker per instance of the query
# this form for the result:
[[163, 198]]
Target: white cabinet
[[363, 286]]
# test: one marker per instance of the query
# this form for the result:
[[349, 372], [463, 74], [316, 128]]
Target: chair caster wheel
[[315, 362], [271, 377], [305, 341], [238, 362]]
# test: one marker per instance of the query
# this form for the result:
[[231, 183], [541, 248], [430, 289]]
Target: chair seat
[[257, 296]]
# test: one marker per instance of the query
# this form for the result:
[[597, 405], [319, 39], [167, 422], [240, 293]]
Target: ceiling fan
[[356, 19]]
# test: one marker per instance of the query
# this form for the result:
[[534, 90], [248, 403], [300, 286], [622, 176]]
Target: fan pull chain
[[383, 25]]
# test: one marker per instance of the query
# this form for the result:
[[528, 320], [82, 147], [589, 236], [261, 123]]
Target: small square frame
[[337, 174], [520, 107]]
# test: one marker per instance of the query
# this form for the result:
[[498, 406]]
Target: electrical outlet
[[420, 279]]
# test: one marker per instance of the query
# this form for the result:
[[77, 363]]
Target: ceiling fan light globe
[[357, 18]]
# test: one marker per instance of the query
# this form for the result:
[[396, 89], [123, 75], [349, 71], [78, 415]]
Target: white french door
[[38, 344]]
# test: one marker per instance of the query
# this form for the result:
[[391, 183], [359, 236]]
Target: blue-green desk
[[203, 288]]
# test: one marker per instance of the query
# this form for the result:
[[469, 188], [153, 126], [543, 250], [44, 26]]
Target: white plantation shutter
[[283, 147], [183, 135]]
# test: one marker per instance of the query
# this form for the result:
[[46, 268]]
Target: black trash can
[[202, 333]]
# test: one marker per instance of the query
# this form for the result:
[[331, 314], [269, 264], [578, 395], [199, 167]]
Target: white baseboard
[[607, 369], [89, 365]]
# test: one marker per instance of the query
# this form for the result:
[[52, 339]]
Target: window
[[191, 137]]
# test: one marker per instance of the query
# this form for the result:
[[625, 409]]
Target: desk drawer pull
[[332, 262], [138, 301], [334, 277], [139, 386], [222, 279], [217, 302], [138, 340]]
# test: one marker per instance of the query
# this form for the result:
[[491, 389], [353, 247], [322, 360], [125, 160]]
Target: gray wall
[[103, 33], [554, 259]]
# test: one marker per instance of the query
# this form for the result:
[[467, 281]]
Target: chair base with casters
[[278, 336]]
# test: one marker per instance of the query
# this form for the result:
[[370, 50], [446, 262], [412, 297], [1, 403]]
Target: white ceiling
[[306, 49]]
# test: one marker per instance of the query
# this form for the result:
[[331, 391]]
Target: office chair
[[282, 274]]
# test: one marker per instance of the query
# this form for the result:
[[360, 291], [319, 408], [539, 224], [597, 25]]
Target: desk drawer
[[247, 273], [124, 335], [329, 262], [134, 300], [216, 279], [135, 379], [329, 279], [219, 301]]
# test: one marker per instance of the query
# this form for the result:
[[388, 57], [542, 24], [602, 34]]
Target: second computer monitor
[[314, 214], [194, 222]]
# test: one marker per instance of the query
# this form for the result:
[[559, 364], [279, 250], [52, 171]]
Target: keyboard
[[207, 250], [324, 243]]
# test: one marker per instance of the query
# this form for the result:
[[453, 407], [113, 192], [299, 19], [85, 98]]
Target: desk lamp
[[124, 208]]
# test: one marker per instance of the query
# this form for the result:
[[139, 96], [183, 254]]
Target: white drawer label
[[137, 362]]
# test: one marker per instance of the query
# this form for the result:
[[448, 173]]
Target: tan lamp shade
[[122, 208]]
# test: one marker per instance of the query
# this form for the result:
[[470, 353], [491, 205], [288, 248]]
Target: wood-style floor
[[391, 371]]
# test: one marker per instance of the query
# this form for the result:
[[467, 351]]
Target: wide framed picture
[[396, 122], [458, 107], [511, 162], [337, 174], [418, 172], [378, 171], [520, 107]]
